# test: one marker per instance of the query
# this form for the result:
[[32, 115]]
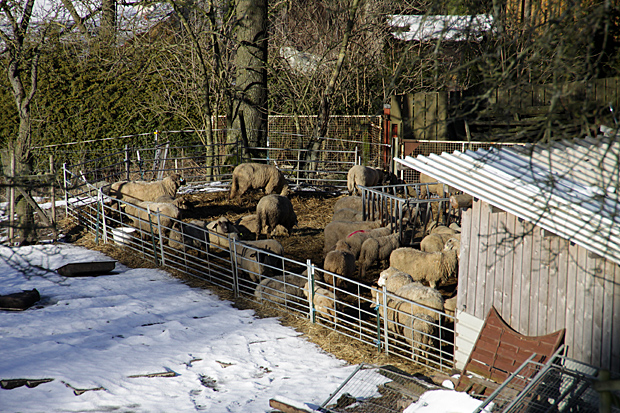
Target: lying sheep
[[430, 267], [192, 235], [349, 202], [273, 210], [247, 225], [144, 217], [180, 202], [281, 289], [324, 302], [260, 258], [377, 249], [360, 175], [341, 262], [356, 239], [338, 230], [434, 242], [442, 229], [347, 214], [416, 319], [220, 230], [256, 176], [142, 191]]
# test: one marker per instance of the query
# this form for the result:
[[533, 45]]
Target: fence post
[[12, 199], [53, 188], [127, 161], [311, 310], [385, 320], [234, 267], [161, 238], [65, 188], [103, 218]]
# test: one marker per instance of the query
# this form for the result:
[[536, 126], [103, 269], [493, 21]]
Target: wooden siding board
[[526, 282], [500, 294], [589, 307], [464, 274], [571, 299], [485, 266], [538, 286], [509, 284], [598, 301], [615, 333], [580, 295], [562, 291], [473, 261], [518, 288], [549, 267]]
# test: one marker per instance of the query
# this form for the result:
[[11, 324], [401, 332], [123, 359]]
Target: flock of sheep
[[351, 246]]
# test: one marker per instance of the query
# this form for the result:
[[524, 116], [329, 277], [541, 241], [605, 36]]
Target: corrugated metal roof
[[570, 188]]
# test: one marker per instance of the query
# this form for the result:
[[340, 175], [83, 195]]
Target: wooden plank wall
[[539, 283], [430, 114]]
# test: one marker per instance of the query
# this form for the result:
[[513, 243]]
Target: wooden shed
[[540, 243]]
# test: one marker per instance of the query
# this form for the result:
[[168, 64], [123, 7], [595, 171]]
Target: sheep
[[416, 319], [192, 234], [434, 242], [273, 210], [341, 262], [392, 279], [259, 258], [220, 230], [355, 239], [143, 191], [360, 175], [454, 243], [347, 214], [255, 176], [281, 289], [377, 249], [337, 230], [437, 188], [349, 202], [442, 229], [431, 267], [450, 306], [142, 215], [324, 302], [247, 225], [180, 202]]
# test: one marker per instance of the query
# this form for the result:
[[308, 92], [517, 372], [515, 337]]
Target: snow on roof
[[569, 188], [453, 28]]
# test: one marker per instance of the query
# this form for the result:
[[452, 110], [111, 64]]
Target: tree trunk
[[251, 73]]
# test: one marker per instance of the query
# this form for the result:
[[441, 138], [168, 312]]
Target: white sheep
[[418, 318], [435, 188], [281, 289], [180, 202], [377, 249], [324, 302], [338, 230], [450, 306], [349, 202], [274, 210], [256, 176], [260, 258], [431, 267], [356, 239], [454, 243], [341, 262], [360, 175], [192, 234], [442, 229], [434, 242], [220, 230], [392, 279], [137, 191], [144, 216]]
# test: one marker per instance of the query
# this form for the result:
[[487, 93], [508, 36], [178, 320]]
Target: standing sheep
[[392, 279], [434, 242], [377, 249], [255, 176], [144, 216], [260, 258], [360, 175], [137, 191], [356, 239], [341, 262], [338, 230], [431, 267], [349, 202], [273, 210]]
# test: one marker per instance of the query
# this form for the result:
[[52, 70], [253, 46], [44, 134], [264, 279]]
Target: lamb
[[324, 302], [434, 242], [260, 258], [347, 214], [341, 262], [338, 230], [356, 239], [255, 176], [273, 210], [416, 319], [431, 267], [281, 289], [220, 230], [143, 191], [377, 249], [349, 202], [191, 235], [360, 175], [144, 218]]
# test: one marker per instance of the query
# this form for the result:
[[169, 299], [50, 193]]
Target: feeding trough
[[86, 269], [19, 301]]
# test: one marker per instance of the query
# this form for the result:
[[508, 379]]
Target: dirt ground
[[314, 211]]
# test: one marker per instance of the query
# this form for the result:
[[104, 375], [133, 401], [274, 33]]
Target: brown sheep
[[144, 216], [142, 191], [360, 175], [256, 176], [377, 249], [274, 210], [337, 230]]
